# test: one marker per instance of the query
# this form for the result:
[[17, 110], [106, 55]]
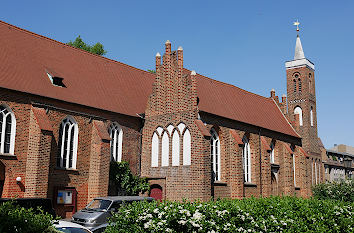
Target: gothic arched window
[[294, 85], [311, 116], [165, 151], [68, 135], [298, 110], [175, 148], [7, 130], [215, 154], [246, 160], [116, 134], [187, 149], [271, 153]]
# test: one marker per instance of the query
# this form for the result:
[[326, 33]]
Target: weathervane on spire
[[297, 23]]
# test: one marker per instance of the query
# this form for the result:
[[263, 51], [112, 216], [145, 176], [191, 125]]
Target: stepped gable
[[90, 80]]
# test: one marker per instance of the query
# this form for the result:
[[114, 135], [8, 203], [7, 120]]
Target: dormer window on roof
[[55, 79]]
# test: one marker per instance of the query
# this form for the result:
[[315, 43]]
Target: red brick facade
[[174, 100]]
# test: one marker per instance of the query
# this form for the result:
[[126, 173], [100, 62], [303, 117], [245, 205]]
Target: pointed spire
[[299, 52]]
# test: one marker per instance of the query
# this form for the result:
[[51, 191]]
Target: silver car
[[100, 209]]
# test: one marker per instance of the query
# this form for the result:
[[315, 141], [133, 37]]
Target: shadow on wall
[[59, 180]]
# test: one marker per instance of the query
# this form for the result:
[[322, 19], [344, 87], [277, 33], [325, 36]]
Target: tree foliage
[[80, 44], [125, 181]]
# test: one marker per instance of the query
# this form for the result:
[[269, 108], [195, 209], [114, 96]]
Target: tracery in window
[[7, 130], [68, 135], [116, 135]]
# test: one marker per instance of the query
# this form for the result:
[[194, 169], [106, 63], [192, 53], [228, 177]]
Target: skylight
[[56, 81]]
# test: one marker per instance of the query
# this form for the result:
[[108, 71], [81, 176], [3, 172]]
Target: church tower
[[300, 75]]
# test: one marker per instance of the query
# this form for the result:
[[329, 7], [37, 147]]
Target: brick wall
[[36, 150]]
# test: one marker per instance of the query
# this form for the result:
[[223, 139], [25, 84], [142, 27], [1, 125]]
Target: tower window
[[300, 85], [294, 85], [298, 110], [311, 116]]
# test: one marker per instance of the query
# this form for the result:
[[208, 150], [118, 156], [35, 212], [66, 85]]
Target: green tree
[[80, 44], [125, 182]]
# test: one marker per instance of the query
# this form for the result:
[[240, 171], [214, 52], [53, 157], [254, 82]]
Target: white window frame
[[294, 168], [246, 158], [176, 147], [215, 154], [116, 143], [271, 153], [298, 110], [3, 116], [187, 148], [70, 123]]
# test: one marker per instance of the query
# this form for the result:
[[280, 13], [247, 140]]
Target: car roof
[[62, 223], [125, 198]]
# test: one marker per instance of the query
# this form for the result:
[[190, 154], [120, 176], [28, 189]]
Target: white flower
[[156, 210], [182, 222]]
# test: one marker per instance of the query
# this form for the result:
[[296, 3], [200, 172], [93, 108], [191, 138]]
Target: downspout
[[260, 163], [141, 141]]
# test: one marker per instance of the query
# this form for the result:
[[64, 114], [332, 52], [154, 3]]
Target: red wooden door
[[156, 192]]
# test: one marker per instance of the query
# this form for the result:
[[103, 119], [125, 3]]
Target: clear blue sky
[[244, 43]]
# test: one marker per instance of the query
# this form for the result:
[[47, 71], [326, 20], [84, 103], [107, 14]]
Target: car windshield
[[98, 205], [72, 230]]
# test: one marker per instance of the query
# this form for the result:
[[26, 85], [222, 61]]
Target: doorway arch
[[2, 177], [156, 192]]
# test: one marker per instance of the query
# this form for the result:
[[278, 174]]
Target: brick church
[[66, 113]]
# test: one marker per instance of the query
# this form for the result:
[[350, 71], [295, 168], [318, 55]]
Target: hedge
[[275, 214], [342, 190], [18, 219]]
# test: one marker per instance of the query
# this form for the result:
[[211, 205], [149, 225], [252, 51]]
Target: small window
[[294, 85], [311, 116], [300, 85], [68, 135], [56, 81], [298, 110], [271, 153], [215, 154], [7, 130], [246, 160]]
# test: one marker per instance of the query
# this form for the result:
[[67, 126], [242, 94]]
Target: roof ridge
[[231, 85], [80, 50]]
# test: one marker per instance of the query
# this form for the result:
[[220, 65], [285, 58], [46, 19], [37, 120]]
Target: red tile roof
[[42, 119], [91, 80], [237, 137], [265, 144], [102, 83], [205, 132]]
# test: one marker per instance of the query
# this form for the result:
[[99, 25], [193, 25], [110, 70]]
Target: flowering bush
[[342, 190], [275, 214]]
